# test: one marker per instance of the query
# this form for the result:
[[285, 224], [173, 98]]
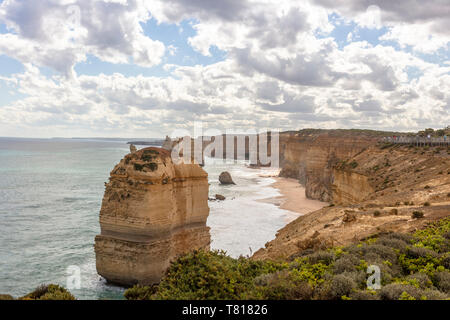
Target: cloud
[[304, 104], [58, 34], [425, 26], [283, 68]]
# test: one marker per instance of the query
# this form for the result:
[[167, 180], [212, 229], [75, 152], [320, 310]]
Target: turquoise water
[[50, 198]]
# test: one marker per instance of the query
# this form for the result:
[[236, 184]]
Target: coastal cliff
[[152, 211], [385, 188], [350, 187], [311, 155]]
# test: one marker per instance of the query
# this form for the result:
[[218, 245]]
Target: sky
[[145, 68]]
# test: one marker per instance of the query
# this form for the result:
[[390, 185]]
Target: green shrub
[[417, 215], [442, 280], [325, 257], [353, 164], [211, 275], [432, 294], [347, 262], [341, 286], [49, 292], [378, 250], [397, 291], [395, 244], [420, 279], [363, 295], [281, 285], [138, 292]]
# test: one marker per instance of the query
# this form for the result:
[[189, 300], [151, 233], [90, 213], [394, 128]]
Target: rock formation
[[220, 197], [168, 144], [152, 211], [310, 156], [225, 178], [133, 148]]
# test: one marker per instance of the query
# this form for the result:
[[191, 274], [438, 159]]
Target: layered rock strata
[[311, 157], [152, 211]]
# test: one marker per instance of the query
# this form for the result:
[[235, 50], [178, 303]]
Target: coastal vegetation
[[413, 267], [44, 292]]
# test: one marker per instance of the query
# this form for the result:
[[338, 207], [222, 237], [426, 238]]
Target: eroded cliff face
[[311, 158], [377, 190], [350, 187], [152, 211]]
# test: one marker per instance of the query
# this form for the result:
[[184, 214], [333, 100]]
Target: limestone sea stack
[[152, 211]]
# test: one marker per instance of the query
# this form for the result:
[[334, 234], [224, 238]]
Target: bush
[[420, 279], [49, 292], [393, 243], [426, 204], [281, 286], [321, 256], [347, 262], [417, 215], [337, 287], [363, 295], [353, 164], [211, 275], [420, 252], [432, 294], [138, 292], [396, 291], [442, 280], [379, 250]]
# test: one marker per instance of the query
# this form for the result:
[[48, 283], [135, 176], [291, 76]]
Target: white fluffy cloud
[[60, 33], [282, 67]]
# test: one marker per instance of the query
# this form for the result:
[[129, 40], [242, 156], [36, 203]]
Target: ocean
[[50, 197]]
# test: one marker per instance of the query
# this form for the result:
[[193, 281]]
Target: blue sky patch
[[171, 35], [177, 36], [9, 66], [3, 28]]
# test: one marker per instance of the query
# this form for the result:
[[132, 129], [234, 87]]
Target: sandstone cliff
[[377, 190], [310, 156], [152, 211]]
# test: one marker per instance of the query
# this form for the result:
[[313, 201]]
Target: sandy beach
[[293, 197]]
